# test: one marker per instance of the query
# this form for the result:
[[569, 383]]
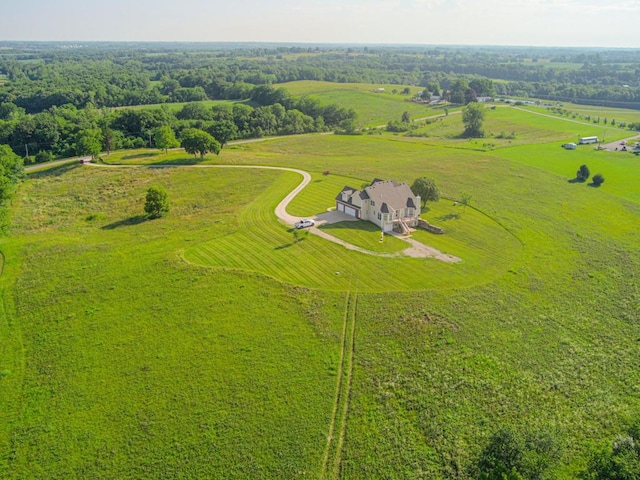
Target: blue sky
[[606, 23]]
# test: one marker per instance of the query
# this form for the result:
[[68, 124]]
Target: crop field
[[216, 343]]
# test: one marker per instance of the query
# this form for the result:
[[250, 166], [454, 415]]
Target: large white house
[[386, 203]]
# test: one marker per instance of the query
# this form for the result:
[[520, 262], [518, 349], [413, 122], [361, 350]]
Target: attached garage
[[341, 207]]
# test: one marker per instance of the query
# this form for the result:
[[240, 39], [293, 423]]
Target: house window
[[373, 203], [379, 216]]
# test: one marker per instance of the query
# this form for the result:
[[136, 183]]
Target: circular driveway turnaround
[[417, 249]]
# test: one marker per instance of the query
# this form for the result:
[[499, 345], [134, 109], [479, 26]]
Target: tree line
[[40, 76], [62, 131]]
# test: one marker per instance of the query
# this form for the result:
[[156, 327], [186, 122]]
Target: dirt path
[[337, 426], [417, 249], [54, 163]]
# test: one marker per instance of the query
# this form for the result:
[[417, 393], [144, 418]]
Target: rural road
[[54, 163], [417, 249]]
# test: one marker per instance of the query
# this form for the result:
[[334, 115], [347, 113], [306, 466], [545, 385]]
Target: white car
[[304, 223]]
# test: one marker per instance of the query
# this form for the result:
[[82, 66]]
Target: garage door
[[350, 211], [340, 207]]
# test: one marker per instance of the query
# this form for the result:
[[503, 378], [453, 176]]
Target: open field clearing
[[507, 126], [602, 112], [129, 362], [374, 108], [174, 107], [215, 343]]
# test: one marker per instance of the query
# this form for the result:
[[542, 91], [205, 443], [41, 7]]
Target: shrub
[[44, 156], [156, 202], [583, 173], [597, 179]]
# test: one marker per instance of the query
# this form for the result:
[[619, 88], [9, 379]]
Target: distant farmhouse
[[388, 204]]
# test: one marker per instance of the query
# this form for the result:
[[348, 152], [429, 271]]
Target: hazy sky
[[607, 23]]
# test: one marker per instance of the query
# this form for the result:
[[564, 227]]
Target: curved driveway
[[417, 249]]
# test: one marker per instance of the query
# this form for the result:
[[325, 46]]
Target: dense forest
[[58, 98]]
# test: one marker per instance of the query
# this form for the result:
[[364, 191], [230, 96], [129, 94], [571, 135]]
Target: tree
[[512, 455], [426, 189], [195, 111], [199, 142], [458, 90], [223, 131], [582, 175], [89, 143], [473, 118], [11, 170], [156, 202], [164, 138], [597, 180], [44, 156], [620, 461], [108, 139], [406, 117], [465, 200]]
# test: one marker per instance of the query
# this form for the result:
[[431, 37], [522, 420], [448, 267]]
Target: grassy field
[[212, 344], [374, 108], [174, 107], [128, 362]]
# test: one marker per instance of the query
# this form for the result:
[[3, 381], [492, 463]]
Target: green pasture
[[507, 127], [174, 107], [373, 108], [621, 170], [206, 344], [121, 360], [601, 111]]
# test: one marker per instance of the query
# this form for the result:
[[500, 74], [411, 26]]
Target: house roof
[[388, 194], [349, 191], [392, 194]]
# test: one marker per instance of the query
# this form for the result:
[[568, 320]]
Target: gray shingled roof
[[386, 193], [348, 190], [395, 195]]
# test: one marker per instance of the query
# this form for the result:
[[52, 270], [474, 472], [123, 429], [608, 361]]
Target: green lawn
[[366, 235]]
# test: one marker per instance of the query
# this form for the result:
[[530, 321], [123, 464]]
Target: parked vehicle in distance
[[569, 146], [304, 223]]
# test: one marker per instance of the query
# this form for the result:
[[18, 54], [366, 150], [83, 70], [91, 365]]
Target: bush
[[620, 460], [44, 156], [156, 202], [583, 173], [514, 455], [597, 179]]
